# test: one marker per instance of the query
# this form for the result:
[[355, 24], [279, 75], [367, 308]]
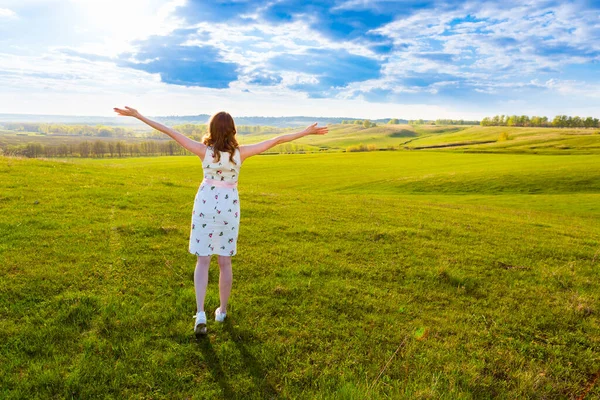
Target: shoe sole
[[200, 330]]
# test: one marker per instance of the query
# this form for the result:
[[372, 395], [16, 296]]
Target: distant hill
[[280, 122]]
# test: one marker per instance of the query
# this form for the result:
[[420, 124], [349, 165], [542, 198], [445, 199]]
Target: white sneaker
[[219, 316], [200, 326]]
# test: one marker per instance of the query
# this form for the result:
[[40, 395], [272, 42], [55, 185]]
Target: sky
[[340, 58]]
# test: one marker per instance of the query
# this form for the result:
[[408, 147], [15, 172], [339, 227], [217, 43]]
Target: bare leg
[[225, 281], [201, 280]]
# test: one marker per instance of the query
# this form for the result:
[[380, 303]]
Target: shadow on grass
[[212, 360], [253, 366]]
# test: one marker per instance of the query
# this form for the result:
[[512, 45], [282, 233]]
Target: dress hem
[[218, 254]]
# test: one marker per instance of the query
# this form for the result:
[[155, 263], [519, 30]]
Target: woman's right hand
[[314, 130]]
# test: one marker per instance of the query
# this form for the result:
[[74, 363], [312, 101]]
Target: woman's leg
[[201, 280], [225, 281]]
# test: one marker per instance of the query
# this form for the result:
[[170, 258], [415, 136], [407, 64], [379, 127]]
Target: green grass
[[405, 274], [520, 140]]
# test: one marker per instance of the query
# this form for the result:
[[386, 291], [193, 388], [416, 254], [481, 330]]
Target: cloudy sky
[[354, 58]]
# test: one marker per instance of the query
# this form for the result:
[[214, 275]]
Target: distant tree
[[99, 148], [62, 150], [120, 148], [359, 147], [111, 148], [393, 121], [366, 123], [105, 131], [134, 149], [84, 149], [569, 122], [589, 123], [560, 121], [34, 150], [172, 147]]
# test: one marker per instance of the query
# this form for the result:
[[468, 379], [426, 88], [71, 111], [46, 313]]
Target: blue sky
[[361, 58]]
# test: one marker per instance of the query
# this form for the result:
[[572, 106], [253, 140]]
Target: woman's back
[[223, 170]]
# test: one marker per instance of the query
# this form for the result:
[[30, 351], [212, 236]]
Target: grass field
[[393, 274], [517, 140]]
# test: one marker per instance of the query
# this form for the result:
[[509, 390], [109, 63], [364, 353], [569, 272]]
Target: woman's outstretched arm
[[257, 148], [195, 147]]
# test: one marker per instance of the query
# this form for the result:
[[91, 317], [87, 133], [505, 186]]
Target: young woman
[[216, 214]]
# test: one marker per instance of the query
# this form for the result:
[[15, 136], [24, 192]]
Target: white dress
[[216, 214]]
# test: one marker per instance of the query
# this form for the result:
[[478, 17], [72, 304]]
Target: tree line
[[103, 148], [69, 130], [96, 149], [192, 130], [365, 123], [442, 122], [560, 121]]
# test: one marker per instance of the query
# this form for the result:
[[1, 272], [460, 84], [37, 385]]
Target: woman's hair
[[221, 135]]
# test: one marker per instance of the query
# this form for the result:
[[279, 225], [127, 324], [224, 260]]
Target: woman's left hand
[[128, 112]]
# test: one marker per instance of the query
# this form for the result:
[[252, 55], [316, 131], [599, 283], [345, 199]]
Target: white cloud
[[111, 25], [6, 13]]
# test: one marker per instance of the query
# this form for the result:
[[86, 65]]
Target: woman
[[216, 213]]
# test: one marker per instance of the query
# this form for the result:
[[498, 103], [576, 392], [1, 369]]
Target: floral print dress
[[216, 213]]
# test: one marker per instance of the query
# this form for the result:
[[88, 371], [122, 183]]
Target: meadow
[[387, 274]]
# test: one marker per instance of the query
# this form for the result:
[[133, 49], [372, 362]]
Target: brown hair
[[221, 135]]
